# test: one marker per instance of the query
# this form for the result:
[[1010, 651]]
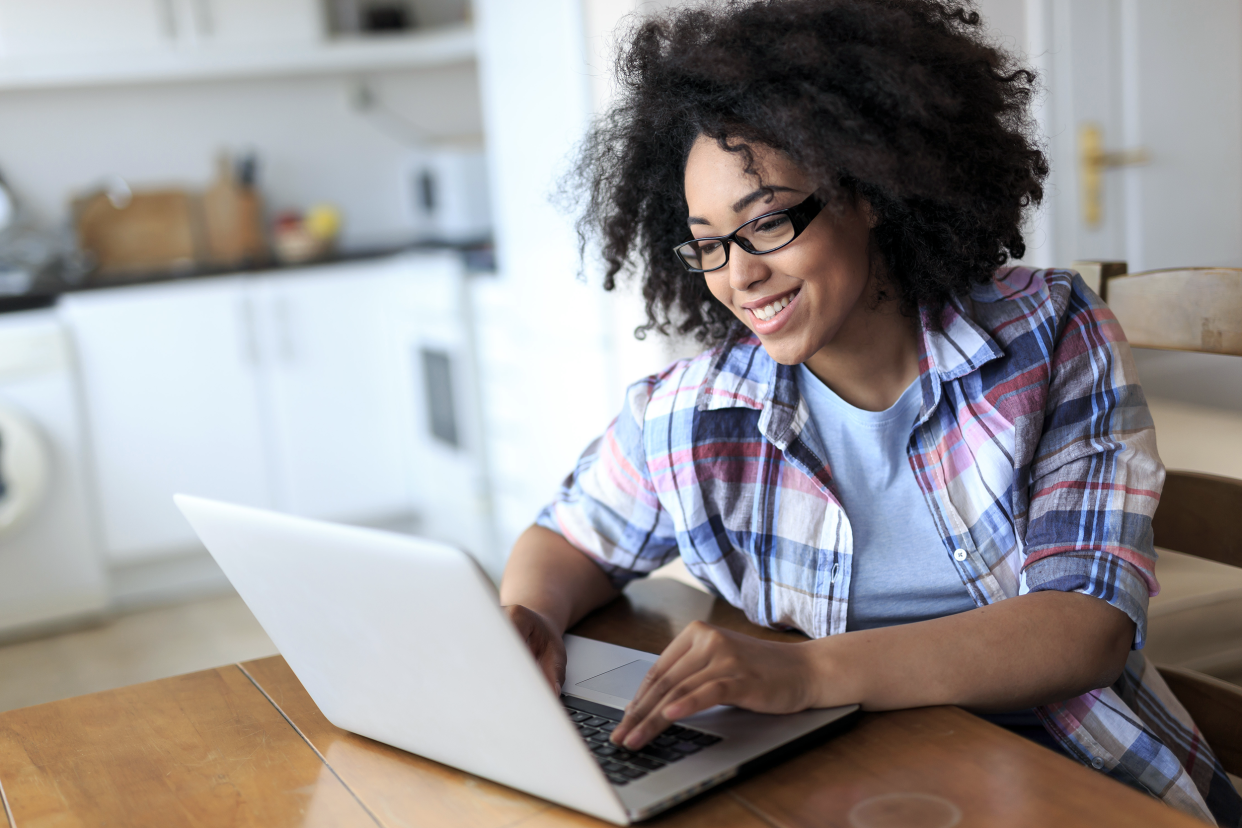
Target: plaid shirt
[[1034, 450]]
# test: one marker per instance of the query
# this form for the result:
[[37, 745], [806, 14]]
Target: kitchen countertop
[[480, 258]]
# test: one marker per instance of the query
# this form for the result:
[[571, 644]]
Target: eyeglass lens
[[761, 235]]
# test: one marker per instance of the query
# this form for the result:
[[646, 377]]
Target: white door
[[1164, 78], [172, 405], [338, 392]]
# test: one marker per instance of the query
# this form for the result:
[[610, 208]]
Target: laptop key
[[578, 717], [674, 730], [706, 740], [687, 747], [663, 754], [598, 736], [645, 762], [595, 721], [617, 779], [633, 773], [611, 767], [585, 731], [604, 750], [610, 727], [665, 741]]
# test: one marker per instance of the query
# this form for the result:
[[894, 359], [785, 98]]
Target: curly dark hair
[[904, 103]]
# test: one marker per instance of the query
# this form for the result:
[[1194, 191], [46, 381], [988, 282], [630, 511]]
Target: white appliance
[[447, 195], [51, 568]]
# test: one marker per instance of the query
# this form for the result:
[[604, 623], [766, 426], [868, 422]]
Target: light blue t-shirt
[[901, 569]]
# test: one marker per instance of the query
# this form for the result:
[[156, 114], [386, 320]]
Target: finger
[[649, 696], [709, 694], [656, 722], [553, 662], [668, 668]]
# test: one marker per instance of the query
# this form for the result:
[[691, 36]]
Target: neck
[[873, 358]]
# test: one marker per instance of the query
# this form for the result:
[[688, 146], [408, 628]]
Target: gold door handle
[[1092, 161]]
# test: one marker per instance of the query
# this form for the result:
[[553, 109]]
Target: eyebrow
[[744, 202]]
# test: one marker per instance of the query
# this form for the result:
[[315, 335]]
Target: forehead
[[717, 178]]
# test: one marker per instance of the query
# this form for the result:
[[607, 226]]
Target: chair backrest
[[1200, 515], [1191, 309]]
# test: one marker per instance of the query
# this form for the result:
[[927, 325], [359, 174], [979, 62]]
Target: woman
[[942, 472]]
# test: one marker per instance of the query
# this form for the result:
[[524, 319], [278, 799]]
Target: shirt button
[[959, 555], [1097, 762]]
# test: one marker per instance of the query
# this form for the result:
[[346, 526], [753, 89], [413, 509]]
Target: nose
[[746, 269]]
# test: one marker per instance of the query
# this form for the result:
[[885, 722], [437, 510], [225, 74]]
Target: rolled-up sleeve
[[607, 507], [1096, 477]]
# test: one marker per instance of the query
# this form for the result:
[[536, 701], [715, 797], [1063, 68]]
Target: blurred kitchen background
[[303, 254]]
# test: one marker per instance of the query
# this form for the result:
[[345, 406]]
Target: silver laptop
[[401, 639]]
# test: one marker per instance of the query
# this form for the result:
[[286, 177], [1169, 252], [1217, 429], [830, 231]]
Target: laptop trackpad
[[621, 682]]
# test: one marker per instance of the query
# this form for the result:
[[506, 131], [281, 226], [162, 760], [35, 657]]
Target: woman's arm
[[547, 586], [1017, 653]]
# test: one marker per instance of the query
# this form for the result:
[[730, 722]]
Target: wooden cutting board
[[156, 231]]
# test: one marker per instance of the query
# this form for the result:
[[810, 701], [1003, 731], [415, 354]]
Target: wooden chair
[[1201, 515], [1191, 309]]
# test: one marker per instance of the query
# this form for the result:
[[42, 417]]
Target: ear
[[868, 212]]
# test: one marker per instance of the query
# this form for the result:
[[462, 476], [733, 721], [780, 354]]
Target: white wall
[[313, 144], [557, 351]]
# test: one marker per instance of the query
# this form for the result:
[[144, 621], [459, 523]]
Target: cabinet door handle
[[168, 17], [284, 327], [249, 334], [204, 23]]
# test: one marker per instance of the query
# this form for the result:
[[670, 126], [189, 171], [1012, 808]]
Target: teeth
[[768, 311]]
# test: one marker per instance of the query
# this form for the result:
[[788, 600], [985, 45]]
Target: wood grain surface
[[1191, 309], [216, 748], [201, 749], [1198, 515]]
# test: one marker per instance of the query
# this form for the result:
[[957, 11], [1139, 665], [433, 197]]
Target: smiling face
[[798, 299]]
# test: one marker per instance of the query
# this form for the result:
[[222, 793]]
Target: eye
[[772, 225], [708, 247]]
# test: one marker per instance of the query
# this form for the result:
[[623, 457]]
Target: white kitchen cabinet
[[173, 404], [338, 388], [246, 22], [305, 391], [31, 29], [72, 27]]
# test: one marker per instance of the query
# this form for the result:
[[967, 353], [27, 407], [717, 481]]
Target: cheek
[[718, 284]]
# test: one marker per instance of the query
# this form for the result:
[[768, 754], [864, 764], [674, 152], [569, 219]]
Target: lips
[[770, 314]]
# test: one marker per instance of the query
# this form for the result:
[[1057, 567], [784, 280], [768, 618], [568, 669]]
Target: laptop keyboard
[[596, 723]]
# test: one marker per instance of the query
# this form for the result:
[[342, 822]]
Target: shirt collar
[[744, 376]]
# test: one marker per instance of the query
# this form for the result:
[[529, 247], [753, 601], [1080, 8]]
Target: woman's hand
[[705, 666], [545, 643]]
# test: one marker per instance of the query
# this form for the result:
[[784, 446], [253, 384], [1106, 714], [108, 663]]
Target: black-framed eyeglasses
[[765, 234]]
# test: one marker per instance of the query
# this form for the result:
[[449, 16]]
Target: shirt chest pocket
[[796, 550]]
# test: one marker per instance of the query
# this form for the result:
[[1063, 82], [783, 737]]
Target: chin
[[786, 353]]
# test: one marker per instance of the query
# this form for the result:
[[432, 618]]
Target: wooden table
[[244, 745]]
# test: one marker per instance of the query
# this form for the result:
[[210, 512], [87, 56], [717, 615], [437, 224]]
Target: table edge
[[8, 811], [323, 759]]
